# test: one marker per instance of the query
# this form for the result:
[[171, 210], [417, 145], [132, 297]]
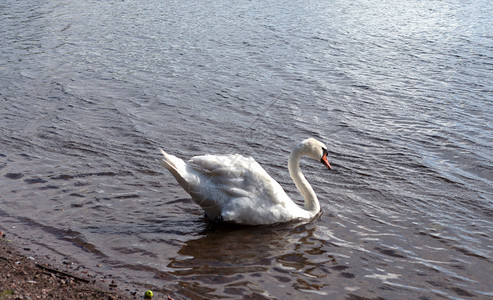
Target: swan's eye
[[324, 151]]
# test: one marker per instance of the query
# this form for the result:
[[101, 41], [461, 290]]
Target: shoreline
[[23, 276]]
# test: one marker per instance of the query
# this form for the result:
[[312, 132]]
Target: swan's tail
[[177, 167]]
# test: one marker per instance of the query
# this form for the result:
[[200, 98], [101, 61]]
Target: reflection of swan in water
[[237, 189], [252, 261], [237, 246]]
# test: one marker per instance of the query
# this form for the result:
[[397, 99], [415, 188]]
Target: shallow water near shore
[[401, 93]]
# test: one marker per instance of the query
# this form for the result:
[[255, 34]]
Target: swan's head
[[314, 149]]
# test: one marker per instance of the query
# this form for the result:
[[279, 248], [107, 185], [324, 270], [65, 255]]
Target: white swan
[[236, 189]]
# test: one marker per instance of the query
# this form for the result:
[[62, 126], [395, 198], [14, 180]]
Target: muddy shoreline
[[25, 275]]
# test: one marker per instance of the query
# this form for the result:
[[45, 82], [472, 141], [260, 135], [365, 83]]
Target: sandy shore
[[24, 277]]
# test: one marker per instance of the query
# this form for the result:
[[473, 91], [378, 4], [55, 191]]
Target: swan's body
[[237, 189]]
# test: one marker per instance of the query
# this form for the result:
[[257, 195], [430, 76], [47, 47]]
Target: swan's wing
[[238, 176]]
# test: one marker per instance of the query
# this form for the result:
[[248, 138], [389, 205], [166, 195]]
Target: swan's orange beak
[[325, 161]]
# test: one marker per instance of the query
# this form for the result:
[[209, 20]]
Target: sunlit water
[[400, 91]]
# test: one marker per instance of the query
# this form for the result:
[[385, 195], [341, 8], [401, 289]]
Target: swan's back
[[233, 171], [237, 176]]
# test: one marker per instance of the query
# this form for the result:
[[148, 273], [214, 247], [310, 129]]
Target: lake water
[[400, 91]]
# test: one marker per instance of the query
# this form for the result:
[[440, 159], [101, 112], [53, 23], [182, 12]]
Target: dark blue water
[[401, 92]]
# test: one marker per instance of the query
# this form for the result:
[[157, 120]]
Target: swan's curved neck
[[311, 201]]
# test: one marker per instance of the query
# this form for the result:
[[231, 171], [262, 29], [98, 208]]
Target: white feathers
[[239, 190]]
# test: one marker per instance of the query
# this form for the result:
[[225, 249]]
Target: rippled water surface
[[400, 91]]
